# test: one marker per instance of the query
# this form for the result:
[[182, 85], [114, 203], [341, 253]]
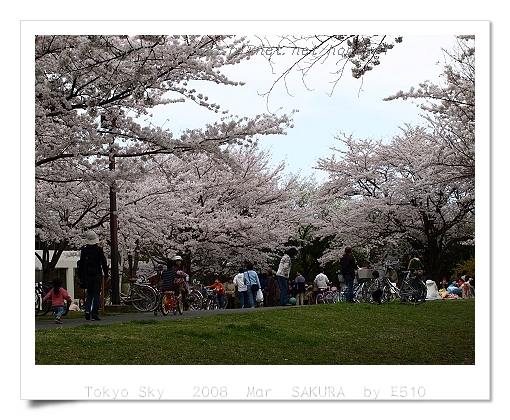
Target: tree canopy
[[209, 193]]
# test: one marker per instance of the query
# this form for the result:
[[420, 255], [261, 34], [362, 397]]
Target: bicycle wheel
[[179, 305], [329, 297], [155, 299], [164, 305], [195, 301], [44, 307], [419, 293], [320, 299], [143, 298], [108, 296], [37, 303], [360, 294], [388, 294]]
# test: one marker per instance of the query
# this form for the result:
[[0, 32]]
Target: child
[[465, 289], [57, 296], [220, 291], [377, 292]]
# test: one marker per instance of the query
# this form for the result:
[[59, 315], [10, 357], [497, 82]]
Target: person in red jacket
[[57, 295], [220, 292]]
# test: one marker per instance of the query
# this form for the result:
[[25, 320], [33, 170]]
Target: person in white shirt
[[283, 274], [241, 288], [321, 281]]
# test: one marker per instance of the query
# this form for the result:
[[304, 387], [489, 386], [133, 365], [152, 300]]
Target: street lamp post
[[114, 239], [114, 246]]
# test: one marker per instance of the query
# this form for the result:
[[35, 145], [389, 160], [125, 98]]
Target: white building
[[66, 270]]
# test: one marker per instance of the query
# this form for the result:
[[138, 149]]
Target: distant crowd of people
[[278, 288], [271, 288]]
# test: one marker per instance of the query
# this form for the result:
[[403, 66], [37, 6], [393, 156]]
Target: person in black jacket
[[91, 268], [349, 265]]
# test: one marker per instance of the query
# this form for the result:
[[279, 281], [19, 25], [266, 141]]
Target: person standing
[[91, 268], [273, 289], [300, 288], [241, 288], [58, 295], [348, 267], [283, 274], [251, 279], [414, 265], [220, 292], [263, 285], [230, 291]]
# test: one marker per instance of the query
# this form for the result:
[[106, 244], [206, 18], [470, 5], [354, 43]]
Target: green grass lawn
[[346, 334]]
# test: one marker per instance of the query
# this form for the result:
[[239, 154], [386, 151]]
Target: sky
[[355, 106]]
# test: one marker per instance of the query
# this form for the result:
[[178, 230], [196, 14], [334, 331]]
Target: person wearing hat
[[91, 268]]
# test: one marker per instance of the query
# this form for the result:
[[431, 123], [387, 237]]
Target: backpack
[[90, 265]]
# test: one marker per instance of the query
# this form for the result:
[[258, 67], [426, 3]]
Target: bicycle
[[169, 301], [42, 308], [390, 291], [211, 302], [195, 297], [141, 294], [327, 295], [363, 292], [413, 289]]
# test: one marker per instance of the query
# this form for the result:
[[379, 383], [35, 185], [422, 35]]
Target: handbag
[[260, 296], [255, 288]]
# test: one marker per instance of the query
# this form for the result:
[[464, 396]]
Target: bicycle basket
[[364, 273]]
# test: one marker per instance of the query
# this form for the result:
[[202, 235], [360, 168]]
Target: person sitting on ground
[[74, 306], [453, 289], [443, 285]]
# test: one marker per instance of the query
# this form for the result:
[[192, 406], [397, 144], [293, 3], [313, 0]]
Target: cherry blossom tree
[[91, 91], [93, 98], [62, 212], [391, 194], [417, 191], [211, 211], [449, 108]]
